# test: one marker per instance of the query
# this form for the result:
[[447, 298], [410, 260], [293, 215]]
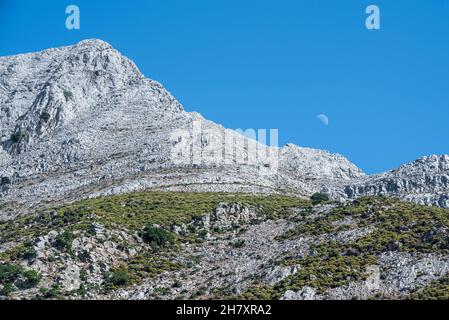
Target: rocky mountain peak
[[43, 91], [82, 121], [94, 44], [424, 181], [313, 164], [432, 163]]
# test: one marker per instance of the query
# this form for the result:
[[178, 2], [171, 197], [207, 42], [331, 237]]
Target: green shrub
[[45, 116], [68, 95], [8, 288], [29, 253], [26, 252], [9, 273], [238, 244], [83, 275], [5, 180], [32, 277], [194, 260], [149, 265], [91, 231], [437, 290], [53, 292], [157, 236], [120, 277], [162, 291], [319, 197], [64, 241]]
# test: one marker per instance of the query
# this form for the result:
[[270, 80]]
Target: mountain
[[110, 190], [424, 181], [82, 121]]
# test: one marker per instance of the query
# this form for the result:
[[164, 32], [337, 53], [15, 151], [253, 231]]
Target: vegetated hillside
[[157, 245]]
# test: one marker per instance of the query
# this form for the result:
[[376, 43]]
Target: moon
[[324, 119]]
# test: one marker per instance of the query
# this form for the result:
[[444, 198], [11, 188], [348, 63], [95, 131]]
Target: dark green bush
[[9, 273], [239, 243], [157, 236], [7, 289], [45, 116], [319, 197], [32, 277], [437, 290], [120, 277], [64, 241], [28, 252], [68, 95], [53, 292]]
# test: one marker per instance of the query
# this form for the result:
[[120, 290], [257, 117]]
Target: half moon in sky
[[324, 119]]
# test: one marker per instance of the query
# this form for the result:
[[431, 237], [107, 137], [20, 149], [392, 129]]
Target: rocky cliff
[[424, 181]]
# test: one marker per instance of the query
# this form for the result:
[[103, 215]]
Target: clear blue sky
[[278, 64]]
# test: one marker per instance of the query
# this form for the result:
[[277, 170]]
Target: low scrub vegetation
[[319, 197], [156, 236], [395, 225], [438, 290], [118, 277], [137, 210], [12, 275], [64, 241]]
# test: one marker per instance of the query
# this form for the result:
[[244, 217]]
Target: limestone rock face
[[306, 294], [312, 164], [424, 181]]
